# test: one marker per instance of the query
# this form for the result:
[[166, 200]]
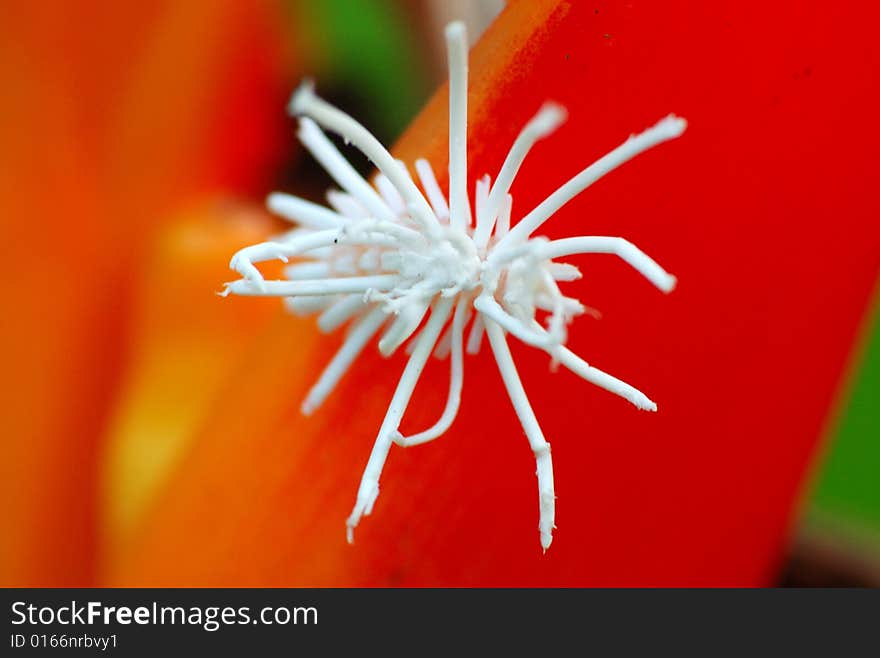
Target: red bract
[[764, 210]]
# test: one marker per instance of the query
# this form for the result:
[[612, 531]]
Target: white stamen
[[475, 337], [346, 205], [492, 309], [354, 344], [444, 345], [456, 379], [390, 195], [456, 46], [539, 445], [603, 380], [432, 189], [339, 168], [302, 306], [305, 102], [305, 213], [354, 284], [370, 260], [548, 119], [485, 220], [563, 272], [404, 325], [244, 259], [391, 250], [502, 225], [308, 270], [599, 378], [666, 129], [624, 249], [340, 313], [368, 490]]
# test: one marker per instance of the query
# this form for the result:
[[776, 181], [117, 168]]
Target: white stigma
[[388, 255]]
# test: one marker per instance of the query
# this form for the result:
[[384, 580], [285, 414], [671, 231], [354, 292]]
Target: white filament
[[368, 490], [539, 445], [456, 379], [305, 213], [354, 284], [305, 103], [390, 195], [337, 166], [354, 344], [340, 313], [548, 119], [625, 250], [667, 128], [456, 45], [432, 189]]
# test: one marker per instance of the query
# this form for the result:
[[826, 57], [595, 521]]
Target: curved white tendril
[[369, 487], [456, 379]]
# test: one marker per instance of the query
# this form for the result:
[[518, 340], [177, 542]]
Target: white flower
[[387, 256]]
